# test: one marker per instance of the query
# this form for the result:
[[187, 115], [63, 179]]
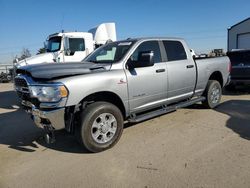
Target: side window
[[148, 46], [76, 44], [175, 50], [55, 46]]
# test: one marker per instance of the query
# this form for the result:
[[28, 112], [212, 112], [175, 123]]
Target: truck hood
[[59, 70], [36, 59]]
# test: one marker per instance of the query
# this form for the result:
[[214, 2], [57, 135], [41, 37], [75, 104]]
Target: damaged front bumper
[[52, 119]]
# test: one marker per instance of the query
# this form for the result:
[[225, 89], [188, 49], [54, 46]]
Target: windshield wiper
[[103, 61], [93, 61]]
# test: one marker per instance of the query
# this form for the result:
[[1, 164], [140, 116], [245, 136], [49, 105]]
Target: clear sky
[[203, 23]]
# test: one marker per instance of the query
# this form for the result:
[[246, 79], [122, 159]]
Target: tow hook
[[49, 135]]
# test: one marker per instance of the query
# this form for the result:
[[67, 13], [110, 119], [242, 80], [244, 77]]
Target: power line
[[199, 32], [17, 51], [207, 37], [20, 46]]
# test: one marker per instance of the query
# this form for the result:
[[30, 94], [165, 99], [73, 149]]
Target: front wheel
[[101, 126], [213, 94]]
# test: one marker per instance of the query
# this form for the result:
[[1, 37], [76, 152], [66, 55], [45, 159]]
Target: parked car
[[240, 73], [131, 80], [4, 77], [203, 56]]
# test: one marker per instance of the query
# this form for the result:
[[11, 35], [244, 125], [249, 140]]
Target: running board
[[164, 110]]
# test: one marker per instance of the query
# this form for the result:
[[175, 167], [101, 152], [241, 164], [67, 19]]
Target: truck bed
[[206, 66]]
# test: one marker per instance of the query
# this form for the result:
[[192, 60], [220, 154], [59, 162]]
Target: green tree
[[41, 51], [25, 53]]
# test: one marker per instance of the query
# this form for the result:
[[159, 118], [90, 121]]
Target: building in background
[[238, 36]]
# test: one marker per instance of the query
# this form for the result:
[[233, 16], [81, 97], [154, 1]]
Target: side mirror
[[145, 59], [66, 46], [67, 52]]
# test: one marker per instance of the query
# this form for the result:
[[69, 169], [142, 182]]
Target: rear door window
[[174, 50]]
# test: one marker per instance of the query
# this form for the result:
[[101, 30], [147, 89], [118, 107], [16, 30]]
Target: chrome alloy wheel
[[104, 128], [215, 95]]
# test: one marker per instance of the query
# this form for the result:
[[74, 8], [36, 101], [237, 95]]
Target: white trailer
[[72, 46]]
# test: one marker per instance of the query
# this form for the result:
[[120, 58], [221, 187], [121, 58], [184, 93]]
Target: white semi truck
[[72, 46]]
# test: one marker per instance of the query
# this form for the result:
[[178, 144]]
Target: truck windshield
[[54, 44], [111, 52]]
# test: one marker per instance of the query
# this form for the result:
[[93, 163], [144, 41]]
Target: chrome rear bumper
[[240, 81]]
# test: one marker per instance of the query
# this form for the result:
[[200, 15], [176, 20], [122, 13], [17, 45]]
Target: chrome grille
[[22, 89], [20, 82], [23, 93]]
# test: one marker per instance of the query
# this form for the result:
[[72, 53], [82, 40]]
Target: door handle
[[160, 70], [190, 66]]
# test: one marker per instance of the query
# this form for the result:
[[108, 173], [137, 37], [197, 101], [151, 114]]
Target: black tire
[[85, 130], [211, 86]]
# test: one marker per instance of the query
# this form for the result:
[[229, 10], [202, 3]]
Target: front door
[[76, 51], [146, 85]]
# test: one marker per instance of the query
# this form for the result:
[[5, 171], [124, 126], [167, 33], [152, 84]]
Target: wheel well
[[107, 97], [217, 76]]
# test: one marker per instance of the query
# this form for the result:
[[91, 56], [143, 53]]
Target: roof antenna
[[62, 21]]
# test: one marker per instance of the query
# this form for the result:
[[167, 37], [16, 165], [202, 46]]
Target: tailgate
[[240, 61]]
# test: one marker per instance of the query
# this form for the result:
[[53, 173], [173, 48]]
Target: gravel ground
[[193, 147]]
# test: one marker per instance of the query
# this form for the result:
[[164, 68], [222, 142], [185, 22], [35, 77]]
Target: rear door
[[147, 85], [181, 71]]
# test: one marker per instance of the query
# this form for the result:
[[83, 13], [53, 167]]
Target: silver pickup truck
[[124, 81]]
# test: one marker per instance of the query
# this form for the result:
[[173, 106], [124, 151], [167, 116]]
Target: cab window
[[175, 50], [76, 44], [148, 46]]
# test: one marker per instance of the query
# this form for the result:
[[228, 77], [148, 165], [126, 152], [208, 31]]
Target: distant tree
[[41, 51], [16, 59], [25, 53]]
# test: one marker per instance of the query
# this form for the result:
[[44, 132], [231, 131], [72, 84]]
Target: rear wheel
[[101, 126], [213, 94]]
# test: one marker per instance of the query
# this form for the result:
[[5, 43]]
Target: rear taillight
[[229, 67]]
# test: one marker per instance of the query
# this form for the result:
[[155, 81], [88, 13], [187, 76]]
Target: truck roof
[[71, 33], [153, 38], [140, 39]]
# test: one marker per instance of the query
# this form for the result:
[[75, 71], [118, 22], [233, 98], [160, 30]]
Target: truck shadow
[[239, 116], [239, 90], [18, 131], [238, 112]]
